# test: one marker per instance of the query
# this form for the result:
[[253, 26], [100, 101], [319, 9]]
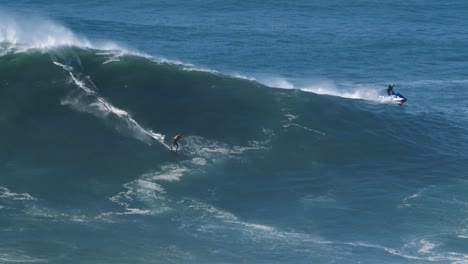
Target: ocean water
[[289, 153]]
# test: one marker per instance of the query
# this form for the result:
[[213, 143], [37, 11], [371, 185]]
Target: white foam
[[199, 161], [11, 255], [5, 193], [151, 186], [260, 227], [212, 150], [277, 82], [141, 190], [290, 117], [426, 246], [101, 108], [19, 35], [405, 202], [136, 211], [148, 190], [356, 92], [305, 128], [211, 210], [44, 212], [346, 90], [214, 218], [37, 32], [425, 251], [169, 172], [387, 249], [419, 193]]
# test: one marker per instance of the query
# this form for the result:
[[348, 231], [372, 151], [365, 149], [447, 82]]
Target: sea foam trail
[[5, 193], [91, 102]]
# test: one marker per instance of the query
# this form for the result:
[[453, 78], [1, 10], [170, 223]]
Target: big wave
[[86, 127]]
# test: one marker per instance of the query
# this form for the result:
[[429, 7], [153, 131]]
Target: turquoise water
[[289, 152]]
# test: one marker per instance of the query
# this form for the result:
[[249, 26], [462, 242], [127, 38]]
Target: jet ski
[[395, 97], [398, 98]]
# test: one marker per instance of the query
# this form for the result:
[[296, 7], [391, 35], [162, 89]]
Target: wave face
[[268, 171], [84, 136]]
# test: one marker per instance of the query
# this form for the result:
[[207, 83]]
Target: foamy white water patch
[[211, 218], [345, 90], [289, 123], [212, 150], [354, 92], [305, 128], [146, 195], [168, 172], [12, 255], [37, 32], [5, 193], [151, 194], [38, 211], [426, 246], [100, 107], [20, 32], [423, 253]]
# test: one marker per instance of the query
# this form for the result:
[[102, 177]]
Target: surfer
[[390, 89], [174, 143]]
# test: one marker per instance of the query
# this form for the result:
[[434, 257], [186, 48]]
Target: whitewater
[[289, 154]]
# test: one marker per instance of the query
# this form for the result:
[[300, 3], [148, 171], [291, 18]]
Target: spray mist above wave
[[346, 91], [22, 32], [367, 92]]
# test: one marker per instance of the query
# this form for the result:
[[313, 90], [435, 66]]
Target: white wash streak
[[104, 108]]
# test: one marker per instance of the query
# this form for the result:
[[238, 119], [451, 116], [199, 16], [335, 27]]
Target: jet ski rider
[[390, 89]]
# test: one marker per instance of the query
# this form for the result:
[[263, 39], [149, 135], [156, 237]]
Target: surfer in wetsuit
[[174, 143], [390, 90]]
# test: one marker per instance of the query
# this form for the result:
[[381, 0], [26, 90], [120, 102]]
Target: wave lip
[[37, 32], [20, 34]]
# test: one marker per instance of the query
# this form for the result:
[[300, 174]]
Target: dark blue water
[[291, 153]]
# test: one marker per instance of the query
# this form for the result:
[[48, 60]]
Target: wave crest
[[35, 32]]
